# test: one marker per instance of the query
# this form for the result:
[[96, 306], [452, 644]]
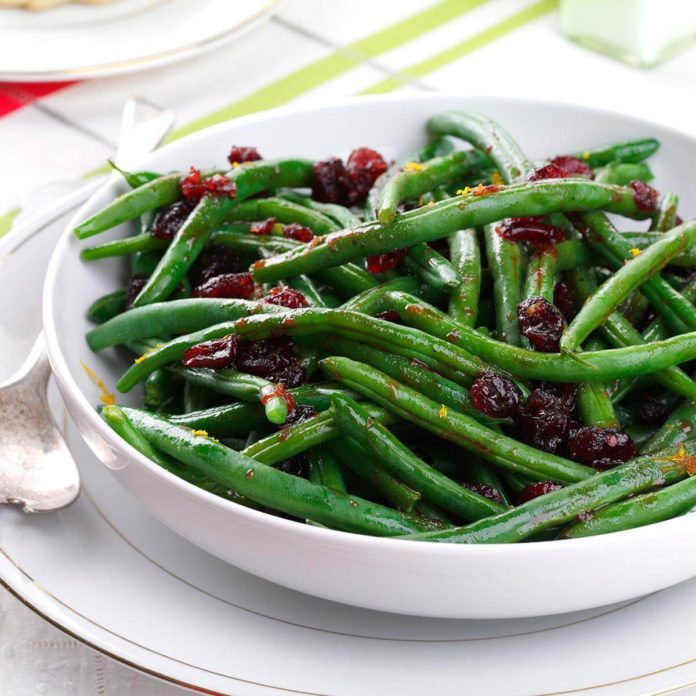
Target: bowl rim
[[305, 532]]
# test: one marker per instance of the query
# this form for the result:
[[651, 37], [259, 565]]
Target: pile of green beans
[[385, 424]]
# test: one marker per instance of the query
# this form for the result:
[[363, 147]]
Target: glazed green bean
[[107, 307], [443, 219], [626, 151], [560, 507], [422, 260], [341, 215], [284, 211], [665, 216], [541, 275], [645, 509], [592, 366], [302, 436], [466, 259], [398, 459], [417, 178], [633, 274], [449, 424], [623, 173], [123, 247], [355, 457], [325, 469], [267, 486]]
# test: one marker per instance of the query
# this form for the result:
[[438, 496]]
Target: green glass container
[[640, 32]]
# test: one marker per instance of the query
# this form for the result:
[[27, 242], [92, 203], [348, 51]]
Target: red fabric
[[15, 95]]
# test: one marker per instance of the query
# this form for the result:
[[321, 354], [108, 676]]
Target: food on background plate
[[49, 4], [460, 347]]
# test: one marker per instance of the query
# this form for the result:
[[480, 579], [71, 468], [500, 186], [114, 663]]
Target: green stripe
[[469, 45], [6, 220], [339, 62]]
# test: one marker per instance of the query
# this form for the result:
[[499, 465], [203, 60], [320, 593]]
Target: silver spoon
[[37, 470]]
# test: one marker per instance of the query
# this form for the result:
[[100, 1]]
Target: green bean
[[451, 425], [130, 205], [169, 318], [144, 262], [241, 417], [479, 472], [241, 385], [107, 307], [121, 424], [678, 312], [676, 430], [466, 258], [637, 512], [408, 372], [305, 285], [443, 219], [355, 457], [433, 268], [623, 173], [452, 362], [626, 151], [592, 366], [370, 301], [562, 506], [302, 436], [341, 215], [193, 235], [437, 147], [633, 274], [665, 216], [572, 254], [416, 178], [620, 333], [594, 402], [160, 387], [134, 179], [267, 486], [505, 263], [325, 469], [123, 247], [541, 275], [285, 212], [398, 459], [196, 398], [641, 240]]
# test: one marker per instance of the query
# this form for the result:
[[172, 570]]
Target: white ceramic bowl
[[489, 581]]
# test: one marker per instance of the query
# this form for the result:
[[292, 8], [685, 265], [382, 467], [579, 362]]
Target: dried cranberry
[[363, 168], [678, 221], [263, 228], [286, 297], [601, 448], [298, 232], [301, 412], [240, 154], [230, 285], [485, 490], [273, 359], [564, 299], [531, 229], [135, 285], [297, 466], [652, 411], [329, 181], [572, 166], [215, 354], [548, 171], [168, 221], [644, 196], [495, 395], [194, 186], [277, 391], [545, 419], [214, 261], [534, 490], [385, 262], [389, 315], [540, 323]]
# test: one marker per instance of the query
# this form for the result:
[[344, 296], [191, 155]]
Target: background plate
[[83, 41], [108, 573]]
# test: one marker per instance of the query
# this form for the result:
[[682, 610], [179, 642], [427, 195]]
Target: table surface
[[55, 135]]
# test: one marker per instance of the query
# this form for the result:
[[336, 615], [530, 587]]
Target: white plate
[[108, 573], [84, 41]]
